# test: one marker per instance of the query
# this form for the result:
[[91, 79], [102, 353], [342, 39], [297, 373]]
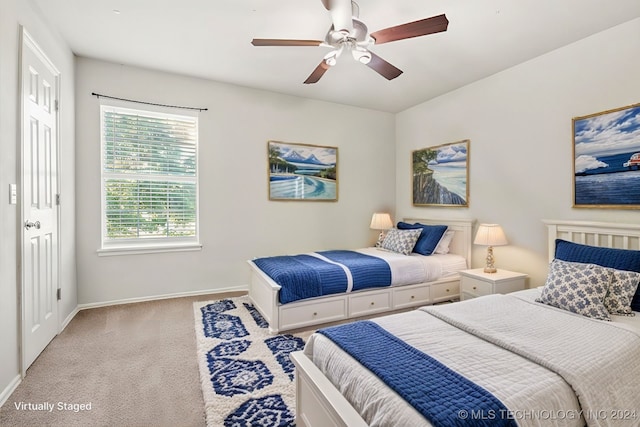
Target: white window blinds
[[149, 176]]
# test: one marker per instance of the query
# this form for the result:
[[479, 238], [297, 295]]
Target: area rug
[[246, 375]]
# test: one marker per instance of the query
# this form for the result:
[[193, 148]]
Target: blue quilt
[[306, 276], [444, 397]]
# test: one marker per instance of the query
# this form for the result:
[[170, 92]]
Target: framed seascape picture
[[302, 172], [606, 166], [441, 175]]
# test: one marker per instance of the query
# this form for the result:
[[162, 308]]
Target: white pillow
[[443, 244]]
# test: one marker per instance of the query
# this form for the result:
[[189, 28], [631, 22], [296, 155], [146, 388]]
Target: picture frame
[[606, 159], [302, 172], [440, 175]]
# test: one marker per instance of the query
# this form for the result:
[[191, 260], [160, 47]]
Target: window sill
[[150, 249]]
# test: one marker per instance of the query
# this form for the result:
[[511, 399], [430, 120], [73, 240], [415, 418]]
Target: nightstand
[[475, 282]]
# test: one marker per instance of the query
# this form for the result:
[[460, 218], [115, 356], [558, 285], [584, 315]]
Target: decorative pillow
[[620, 259], [429, 238], [401, 241], [623, 286], [578, 288], [443, 244]]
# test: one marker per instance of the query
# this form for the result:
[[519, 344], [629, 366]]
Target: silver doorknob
[[29, 225]]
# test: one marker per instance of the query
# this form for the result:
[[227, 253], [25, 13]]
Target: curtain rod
[[99, 95]]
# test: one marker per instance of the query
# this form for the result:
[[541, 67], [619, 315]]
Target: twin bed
[[416, 280], [496, 360]]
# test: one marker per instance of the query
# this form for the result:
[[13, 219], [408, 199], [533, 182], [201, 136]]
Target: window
[[149, 180]]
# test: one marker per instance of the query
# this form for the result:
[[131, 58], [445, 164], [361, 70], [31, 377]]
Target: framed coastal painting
[[302, 172], [441, 175], [606, 166]]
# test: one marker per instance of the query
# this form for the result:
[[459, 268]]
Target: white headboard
[[604, 234], [462, 239]]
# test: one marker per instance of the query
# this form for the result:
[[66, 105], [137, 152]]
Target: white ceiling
[[211, 39]]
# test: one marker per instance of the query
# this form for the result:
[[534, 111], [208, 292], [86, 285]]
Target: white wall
[[520, 127], [12, 14], [238, 221]]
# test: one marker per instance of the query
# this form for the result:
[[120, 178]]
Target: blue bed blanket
[[441, 395], [324, 273]]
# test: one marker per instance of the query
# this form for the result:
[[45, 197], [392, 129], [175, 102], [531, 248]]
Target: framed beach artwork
[[606, 167], [302, 172], [441, 175]]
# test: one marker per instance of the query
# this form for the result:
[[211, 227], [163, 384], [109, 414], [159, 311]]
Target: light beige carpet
[[135, 364]]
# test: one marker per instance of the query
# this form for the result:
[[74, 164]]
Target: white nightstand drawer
[[475, 287], [407, 297], [369, 302], [476, 283], [445, 291], [314, 312]]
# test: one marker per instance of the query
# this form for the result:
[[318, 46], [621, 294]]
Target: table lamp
[[490, 235], [382, 222]]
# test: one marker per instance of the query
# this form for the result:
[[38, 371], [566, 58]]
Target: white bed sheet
[[416, 268]]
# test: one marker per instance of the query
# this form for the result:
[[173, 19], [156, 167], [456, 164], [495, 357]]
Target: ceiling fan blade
[[317, 73], [435, 24], [383, 68], [325, 3], [285, 42]]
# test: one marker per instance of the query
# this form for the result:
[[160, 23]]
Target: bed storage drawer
[[312, 312], [408, 296], [369, 302], [445, 291]]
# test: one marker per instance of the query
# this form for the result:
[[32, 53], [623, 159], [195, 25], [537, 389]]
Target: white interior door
[[39, 204]]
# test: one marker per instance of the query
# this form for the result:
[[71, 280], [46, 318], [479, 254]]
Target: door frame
[[27, 41]]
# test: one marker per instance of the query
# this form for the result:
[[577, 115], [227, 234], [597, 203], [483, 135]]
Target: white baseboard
[[160, 297], [10, 389], [69, 318]]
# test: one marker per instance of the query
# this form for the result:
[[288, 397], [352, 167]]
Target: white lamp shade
[[381, 221], [490, 235]]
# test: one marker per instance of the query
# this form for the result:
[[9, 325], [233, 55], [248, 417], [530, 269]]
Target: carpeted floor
[[134, 364], [246, 374]]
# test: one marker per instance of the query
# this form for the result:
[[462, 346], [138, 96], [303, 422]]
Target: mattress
[[507, 375], [416, 268]]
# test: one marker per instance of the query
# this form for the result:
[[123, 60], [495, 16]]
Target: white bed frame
[[319, 403], [263, 291]]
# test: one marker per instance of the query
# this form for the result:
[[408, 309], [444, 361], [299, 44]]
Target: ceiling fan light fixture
[[361, 55], [331, 58]]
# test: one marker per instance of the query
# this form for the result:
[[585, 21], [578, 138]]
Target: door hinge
[[57, 105], [59, 294], [58, 199]]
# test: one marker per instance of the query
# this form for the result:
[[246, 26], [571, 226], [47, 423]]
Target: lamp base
[[490, 268]]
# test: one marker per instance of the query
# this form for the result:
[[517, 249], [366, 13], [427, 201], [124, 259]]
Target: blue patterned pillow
[[578, 288], [429, 238], [620, 259], [623, 286], [401, 241]]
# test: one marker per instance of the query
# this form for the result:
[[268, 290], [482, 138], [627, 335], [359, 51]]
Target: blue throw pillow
[[429, 238], [620, 259]]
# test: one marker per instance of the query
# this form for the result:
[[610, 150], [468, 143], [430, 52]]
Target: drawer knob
[[372, 303], [448, 290], [413, 297], [474, 288], [315, 313]]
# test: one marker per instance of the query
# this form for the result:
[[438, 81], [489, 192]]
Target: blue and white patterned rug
[[246, 375]]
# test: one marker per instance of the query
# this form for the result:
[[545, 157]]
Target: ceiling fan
[[348, 33]]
